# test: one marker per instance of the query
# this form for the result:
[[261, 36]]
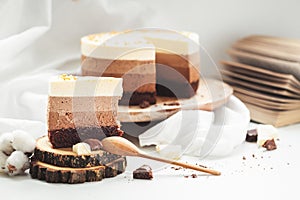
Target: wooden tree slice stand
[[211, 94], [65, 166]]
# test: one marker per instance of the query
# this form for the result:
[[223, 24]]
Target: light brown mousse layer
[[186, 65], [74, 112], [138, 76], [172, 75]]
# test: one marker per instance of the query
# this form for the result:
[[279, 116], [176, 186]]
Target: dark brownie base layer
[[177, 89], [64, 138], [136, 98]]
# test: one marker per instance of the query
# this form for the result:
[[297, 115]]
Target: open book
[[265, 74]]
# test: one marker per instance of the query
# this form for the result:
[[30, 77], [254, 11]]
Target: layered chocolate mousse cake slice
[[149, 61], [125, 55], [177, 60], [82, 107]]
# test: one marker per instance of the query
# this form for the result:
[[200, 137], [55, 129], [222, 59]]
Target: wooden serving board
[[211, 94]]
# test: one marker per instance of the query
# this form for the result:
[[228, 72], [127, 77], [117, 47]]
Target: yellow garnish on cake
[[66, 77]]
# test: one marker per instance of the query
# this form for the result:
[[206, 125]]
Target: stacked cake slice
[[80, 110]]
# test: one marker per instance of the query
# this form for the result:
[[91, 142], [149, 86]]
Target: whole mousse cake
[[129, 57], [80, 108], [151, 62]]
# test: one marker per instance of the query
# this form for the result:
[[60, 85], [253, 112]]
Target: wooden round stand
[[65, 166]]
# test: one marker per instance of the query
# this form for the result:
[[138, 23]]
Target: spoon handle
[[184, 165]]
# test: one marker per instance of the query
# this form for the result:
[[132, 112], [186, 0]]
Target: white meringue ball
[[23, 141], [16, 163], [82, 149], [6, 140]]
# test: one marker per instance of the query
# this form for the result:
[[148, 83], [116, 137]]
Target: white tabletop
[[262, 174]]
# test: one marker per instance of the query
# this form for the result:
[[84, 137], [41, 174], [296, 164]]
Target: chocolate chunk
[[270, 145], [251, 135], [143, 172], [144, 104], [95, 144]]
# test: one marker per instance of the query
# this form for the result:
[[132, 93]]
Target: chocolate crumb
[[176, 168], [172, 104], [251, 135], [253, 155], [244, 158], [270, 145], [194, 175], [144, 104], [186, 176], [202, 166]]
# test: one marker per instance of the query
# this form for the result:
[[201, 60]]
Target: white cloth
[[39, 39], [35, 128], [202, 133]]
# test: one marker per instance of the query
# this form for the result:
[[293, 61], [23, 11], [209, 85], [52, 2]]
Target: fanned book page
[[265, 75]]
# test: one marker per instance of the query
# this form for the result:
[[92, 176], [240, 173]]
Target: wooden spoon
[[121, 146]]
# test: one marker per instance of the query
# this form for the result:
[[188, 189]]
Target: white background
[[219, 23], [41, 38]]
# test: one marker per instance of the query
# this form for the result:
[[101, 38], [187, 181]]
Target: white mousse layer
[[138, 44], [125, 46], [64, 86]]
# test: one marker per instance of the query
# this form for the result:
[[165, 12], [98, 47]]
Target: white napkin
[[201, 133]]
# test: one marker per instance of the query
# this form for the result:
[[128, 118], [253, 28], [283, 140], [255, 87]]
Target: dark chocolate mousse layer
[[176, 89], [136, 98], [64, 138]]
